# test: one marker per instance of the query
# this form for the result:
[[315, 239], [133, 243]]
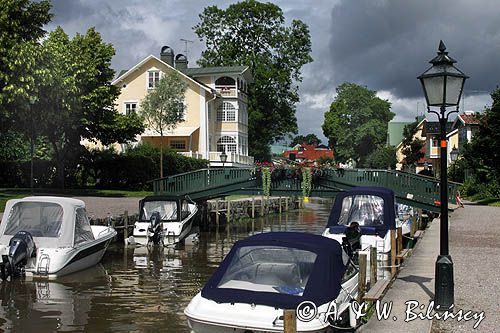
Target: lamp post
[[454, 154], [223, 158], [443, 85]]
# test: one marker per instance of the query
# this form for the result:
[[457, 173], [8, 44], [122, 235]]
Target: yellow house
[[398, 143], [216, 118]]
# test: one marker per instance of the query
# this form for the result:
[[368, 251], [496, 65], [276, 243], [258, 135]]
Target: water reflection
[[138, 289]]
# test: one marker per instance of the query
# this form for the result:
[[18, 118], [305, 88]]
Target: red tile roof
[[469, 119], [309, 153]]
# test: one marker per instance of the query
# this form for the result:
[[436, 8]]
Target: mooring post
[[280, 204], [253, 207], [413, 226], [290, 321], [393, 252], [286, 204], [125, 225], [217, 213], [400, 240], [262, 206], [228, 215], [362, 277], [373, 266]]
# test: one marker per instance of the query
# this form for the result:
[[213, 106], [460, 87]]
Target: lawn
[[13, 193], [490, 202]]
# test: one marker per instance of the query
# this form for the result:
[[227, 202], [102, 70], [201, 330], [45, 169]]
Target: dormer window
[[153, 78]]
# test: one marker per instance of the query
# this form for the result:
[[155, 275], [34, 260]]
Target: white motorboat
[[405, 216], [269, 272], [163, 219], [370, 212], [49, 237]]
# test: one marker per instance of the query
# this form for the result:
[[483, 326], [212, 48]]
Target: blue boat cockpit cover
[[372, 207], [279, 269]]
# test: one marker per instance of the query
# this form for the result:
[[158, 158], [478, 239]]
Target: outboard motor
[[351, 243], [21, 248], [155, 229]]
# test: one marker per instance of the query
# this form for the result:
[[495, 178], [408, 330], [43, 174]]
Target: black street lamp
[[223, 158], [454, 154], [443, 85]]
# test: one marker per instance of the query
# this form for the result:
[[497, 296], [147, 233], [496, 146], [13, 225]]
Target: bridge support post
[[262, 206], [228, 214], [217, 213], [280, 204], [286, 204]]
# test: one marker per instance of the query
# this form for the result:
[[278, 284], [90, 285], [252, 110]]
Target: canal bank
[[474, 235]]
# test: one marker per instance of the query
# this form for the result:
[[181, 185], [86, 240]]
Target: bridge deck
[[415, 190]]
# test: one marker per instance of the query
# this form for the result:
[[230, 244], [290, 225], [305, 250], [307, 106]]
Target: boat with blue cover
[[266, 273], [369, 212]]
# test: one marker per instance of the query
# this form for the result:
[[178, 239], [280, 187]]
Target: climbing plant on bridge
[[266, 181], [306, 182]]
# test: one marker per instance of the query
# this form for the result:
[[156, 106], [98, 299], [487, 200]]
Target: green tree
[[356, 123], [310, 139], [254, 34], [483, 152], [76, 99], [412, 146], [21, 22], [163, 107], [384, 157]]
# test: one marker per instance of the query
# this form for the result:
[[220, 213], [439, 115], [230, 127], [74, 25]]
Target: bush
[[18, 173], [134, 169]]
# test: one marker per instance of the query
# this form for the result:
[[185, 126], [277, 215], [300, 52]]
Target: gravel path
[[475, 250], [100, 207]]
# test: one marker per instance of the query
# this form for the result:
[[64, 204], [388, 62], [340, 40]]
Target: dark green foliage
[[17, 173], [480, 161], [21, 23], [134, 169], [412, 146], [384, 157], [356, 123], [310, 139], [254, 34]]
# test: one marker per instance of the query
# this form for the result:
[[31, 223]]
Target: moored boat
[[49, 237], [163, 219], [267, 273]]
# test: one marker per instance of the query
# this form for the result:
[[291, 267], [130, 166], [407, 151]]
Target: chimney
[[181, 62], [167, 55]]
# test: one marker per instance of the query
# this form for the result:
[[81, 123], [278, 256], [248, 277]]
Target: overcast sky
[[383, 44]]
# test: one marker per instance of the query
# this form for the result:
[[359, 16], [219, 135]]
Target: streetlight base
[[444, 286]]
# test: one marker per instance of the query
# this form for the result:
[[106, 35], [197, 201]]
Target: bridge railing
[[405, 185], [199, 180]]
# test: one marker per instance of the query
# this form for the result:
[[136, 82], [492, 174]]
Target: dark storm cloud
[[385, 44]]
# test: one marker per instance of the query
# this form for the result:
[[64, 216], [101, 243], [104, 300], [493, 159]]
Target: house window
[[130, 107], [178, 144], [435, 142], [226, 144], [226, 112], [153, 78]]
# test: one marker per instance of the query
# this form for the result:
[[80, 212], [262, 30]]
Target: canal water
[[136, 290]]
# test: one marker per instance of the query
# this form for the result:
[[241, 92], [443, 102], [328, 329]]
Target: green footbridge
[[411, 189]]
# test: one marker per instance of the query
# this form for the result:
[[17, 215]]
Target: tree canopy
[[310, 139], [21, 23], [254, 34], [163, 107], [75, 99], [412, 146], [384, 157], [356, 123]]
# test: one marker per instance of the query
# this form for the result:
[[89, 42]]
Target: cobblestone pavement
[[475, 250], [99, 207]]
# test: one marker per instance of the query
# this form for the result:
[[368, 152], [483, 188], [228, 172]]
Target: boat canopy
[[373, 208], [279, 269], [170, 208], [53, 222]]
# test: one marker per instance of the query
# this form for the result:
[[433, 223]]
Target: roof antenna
[[186, 41]]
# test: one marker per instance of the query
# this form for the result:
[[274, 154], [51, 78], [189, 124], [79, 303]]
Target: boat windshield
[[367, 210], [274, 269], [167, 210], [40, 219]]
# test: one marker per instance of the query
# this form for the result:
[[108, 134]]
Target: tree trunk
[[59, 166], [161, 156]]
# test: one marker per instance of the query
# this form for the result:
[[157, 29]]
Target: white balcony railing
[[214, 156], [227, 91]]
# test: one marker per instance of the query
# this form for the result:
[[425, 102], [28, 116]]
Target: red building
[[305, 152]]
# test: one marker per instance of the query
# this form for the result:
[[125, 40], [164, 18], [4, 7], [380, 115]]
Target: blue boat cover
[[389, 210], [323, 284]]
